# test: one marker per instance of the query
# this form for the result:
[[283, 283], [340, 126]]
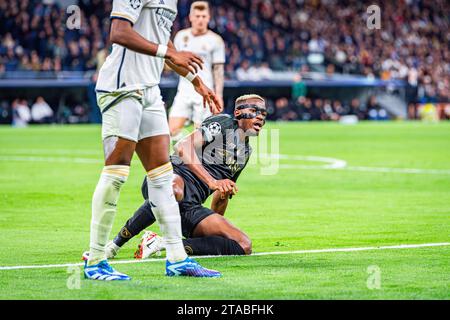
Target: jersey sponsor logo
[[135, 4], [215, 128]]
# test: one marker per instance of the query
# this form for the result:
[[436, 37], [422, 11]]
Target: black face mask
[[251, 115]]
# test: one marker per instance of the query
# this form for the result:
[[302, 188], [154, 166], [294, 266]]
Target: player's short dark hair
[[199, 5]]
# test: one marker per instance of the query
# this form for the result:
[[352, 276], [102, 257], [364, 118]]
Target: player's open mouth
[[257, 126]]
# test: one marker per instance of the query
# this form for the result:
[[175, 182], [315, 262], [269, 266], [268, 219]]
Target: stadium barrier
[[78, 88]]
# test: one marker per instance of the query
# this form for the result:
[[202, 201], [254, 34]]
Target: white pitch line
[[332, 164], [368, 169], [50, 159], [402, 246], [74, 152], [399, 170]]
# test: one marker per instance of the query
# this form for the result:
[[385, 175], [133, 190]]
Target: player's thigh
[[153, 151], [118, 151], [217, 225], [200, 113], [154, 139], [121, 118], [154, 116]]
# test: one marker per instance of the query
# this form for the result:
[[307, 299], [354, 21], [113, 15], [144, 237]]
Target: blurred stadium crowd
[[22, 112], [261, 37]]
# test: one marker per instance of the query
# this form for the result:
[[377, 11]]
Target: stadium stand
[[266, 41]]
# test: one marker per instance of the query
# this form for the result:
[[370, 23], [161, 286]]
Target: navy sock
[[142, 218]]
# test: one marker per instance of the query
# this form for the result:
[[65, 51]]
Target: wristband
[[190, 76], [162, 50]]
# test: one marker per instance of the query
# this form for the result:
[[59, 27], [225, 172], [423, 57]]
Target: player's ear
[[237, 112]]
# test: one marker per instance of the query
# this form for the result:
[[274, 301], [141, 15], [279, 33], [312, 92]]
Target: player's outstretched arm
[[214, 102], [122, 33], [209, 97], [185, 149], [219, 80]]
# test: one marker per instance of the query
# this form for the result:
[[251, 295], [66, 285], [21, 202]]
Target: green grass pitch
[[48, 174]]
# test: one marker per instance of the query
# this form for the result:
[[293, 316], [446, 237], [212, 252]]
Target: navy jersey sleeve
[[216, 126]]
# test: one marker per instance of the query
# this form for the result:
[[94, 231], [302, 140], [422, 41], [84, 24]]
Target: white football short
[[189, 107], [133, 115]]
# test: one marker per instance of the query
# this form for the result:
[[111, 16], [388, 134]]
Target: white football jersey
[[209, 46], [128, 70]]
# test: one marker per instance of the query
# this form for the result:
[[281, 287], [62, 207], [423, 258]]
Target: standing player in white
[[134, 119], [188, 104]]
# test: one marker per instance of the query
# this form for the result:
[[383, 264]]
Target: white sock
[[111, 249], [104, 207], [165, 208]]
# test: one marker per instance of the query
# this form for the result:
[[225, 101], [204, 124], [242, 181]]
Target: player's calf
[[166, 210], [104, 207]]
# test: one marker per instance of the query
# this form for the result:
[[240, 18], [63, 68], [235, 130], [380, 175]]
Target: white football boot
[[151, 244]]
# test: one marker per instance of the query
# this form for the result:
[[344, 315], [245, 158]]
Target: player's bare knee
[[120, 161], [178, 187]]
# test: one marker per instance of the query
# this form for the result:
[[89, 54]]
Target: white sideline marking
[[402, 246]]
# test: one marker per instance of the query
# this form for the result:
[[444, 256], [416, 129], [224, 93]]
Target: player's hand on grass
[[185, 59], [226, 187]]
